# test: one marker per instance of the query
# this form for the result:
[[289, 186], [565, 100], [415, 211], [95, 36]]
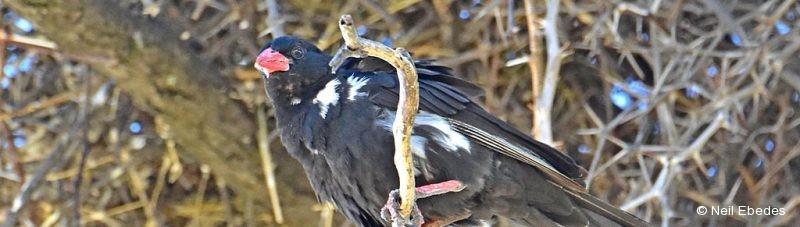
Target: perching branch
[[406, 107]]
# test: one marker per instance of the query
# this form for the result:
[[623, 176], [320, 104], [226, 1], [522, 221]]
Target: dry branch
[[535, 60], [659, 160], [26, 41], [544, 105], [66, 143], [267, 165], [406, 107], [84, 113]]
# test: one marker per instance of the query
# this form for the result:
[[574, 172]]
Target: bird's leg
[[391, 211]]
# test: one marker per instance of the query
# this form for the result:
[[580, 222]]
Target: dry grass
[[670, 105]]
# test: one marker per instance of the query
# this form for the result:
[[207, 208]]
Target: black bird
[[338, 126]]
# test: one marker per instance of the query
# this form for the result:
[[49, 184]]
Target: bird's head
[[291, 66], [291, 56]]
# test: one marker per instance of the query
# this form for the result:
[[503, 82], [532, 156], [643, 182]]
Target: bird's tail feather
[[602, 212]]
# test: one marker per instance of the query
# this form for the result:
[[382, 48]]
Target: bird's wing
[[445, 95], [448, 96]]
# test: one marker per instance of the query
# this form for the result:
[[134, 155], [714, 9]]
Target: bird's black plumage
[[338, 126]]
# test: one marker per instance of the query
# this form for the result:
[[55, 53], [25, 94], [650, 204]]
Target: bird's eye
[[298, 53]]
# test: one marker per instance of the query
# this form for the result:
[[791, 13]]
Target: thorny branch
[[544, 105], [642, 157], [535, 61], [406, 107]]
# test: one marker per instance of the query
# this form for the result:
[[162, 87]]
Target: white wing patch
[[446, 136], [418, 146], [449, 138], [327, 97], [355, 83]]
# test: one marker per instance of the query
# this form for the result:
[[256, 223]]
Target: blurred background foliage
[[149, 113]]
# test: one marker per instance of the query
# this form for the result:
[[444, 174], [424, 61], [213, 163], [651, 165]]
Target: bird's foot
[[391, 211]]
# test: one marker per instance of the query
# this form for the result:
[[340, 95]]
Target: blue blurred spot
[[712, 171], [9, 16], [26, 64], [692, 91], [593, 60], [782, 27], [5, 83], [387, 42], [620, 98], [796, 97], [638, 87], [645, 37], [656, 129], [642, 105], [11, 58], [476, 2], [463, 14], [361, 30], [791, 16], [24, 25], [135, 127], [769, 145], [759, 162], [583, 149], [19, 141], [712, 71], [735, 39], [728, 118], [510, 55], [10, 70]]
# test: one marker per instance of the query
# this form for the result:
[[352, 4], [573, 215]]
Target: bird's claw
[[391, 212]]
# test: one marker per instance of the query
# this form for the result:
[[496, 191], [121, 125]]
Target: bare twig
[[274, 20], [726, 19], [377, 9], [535, 61], [84, 115], [3, 51], [12, 152], [205, 175], [37, 106], [267, 165], [406, 107], [544, 103], [326, 215], [26, 41], [53, 159], [701, 140]]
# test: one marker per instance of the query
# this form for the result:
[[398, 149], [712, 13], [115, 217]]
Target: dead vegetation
[[670, 105]]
